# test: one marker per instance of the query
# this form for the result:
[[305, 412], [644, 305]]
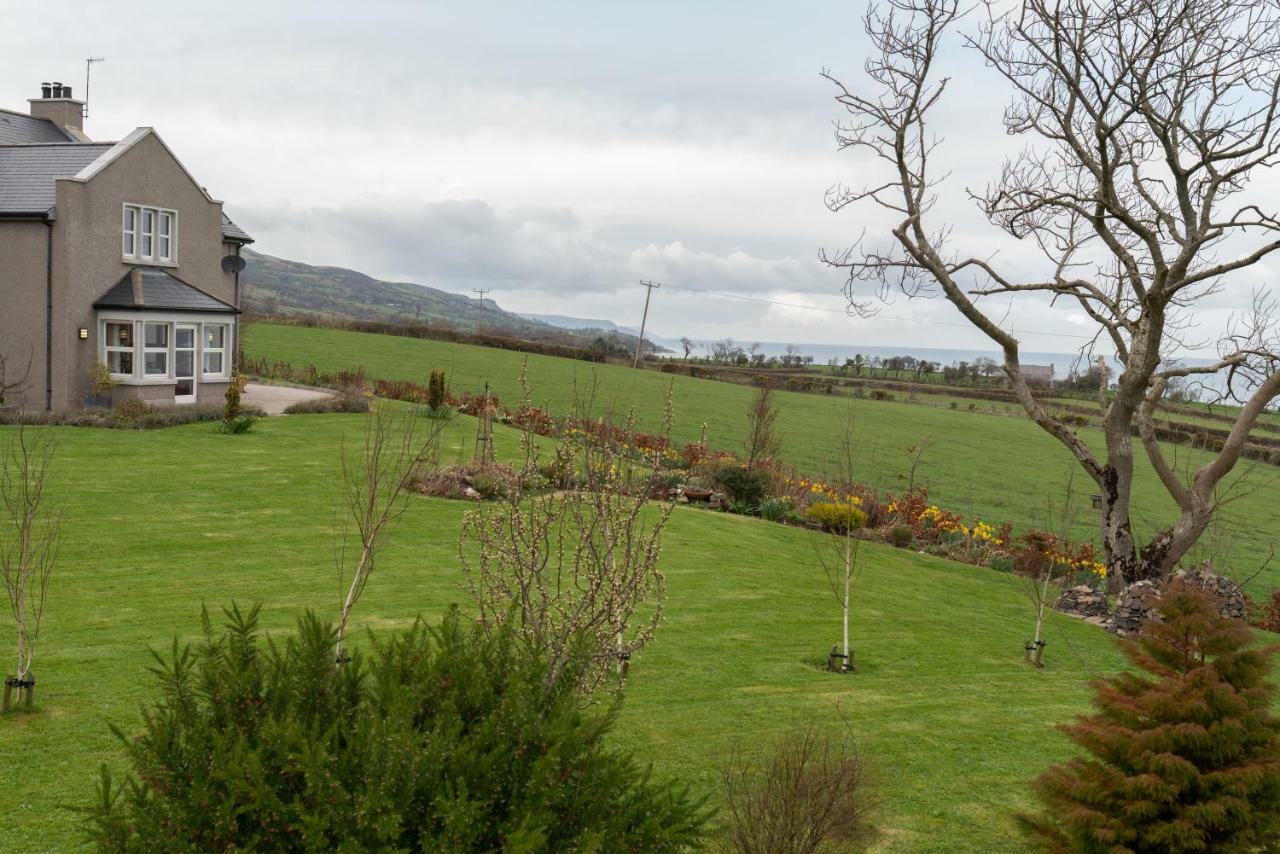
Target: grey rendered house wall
[[23, 261], [88, 258]]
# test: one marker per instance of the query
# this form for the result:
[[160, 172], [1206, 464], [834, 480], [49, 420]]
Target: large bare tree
[[1144, 121]]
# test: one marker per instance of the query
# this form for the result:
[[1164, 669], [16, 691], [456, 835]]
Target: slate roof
[[231, 231], [27, 172], [1038, 373], [159, 290], [21, 129]]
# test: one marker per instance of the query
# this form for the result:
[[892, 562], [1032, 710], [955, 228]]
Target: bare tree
[[762, 442], [915, 456], [29, 536], [573, 567], [687, 344], [837, 549], [375, 482], [12, 382], [811, 794], [1145, 119], [1044, 585]]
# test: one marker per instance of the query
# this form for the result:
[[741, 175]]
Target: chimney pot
[[66, 91], [46, 90], [57, 89]]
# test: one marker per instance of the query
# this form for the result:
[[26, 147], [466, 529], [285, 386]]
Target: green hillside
[[158, 522], [997, 467]]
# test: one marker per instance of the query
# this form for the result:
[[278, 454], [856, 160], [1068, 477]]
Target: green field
[[159, 522], [995, 466]]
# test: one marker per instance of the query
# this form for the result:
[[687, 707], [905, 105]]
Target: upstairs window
[[150, 234]]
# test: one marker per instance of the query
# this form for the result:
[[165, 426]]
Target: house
[[111, 254], [1038, 375]]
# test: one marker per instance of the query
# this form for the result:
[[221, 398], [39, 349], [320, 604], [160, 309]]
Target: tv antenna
[[88, 67]]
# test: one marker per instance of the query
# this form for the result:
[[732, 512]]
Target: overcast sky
[[555, 153]]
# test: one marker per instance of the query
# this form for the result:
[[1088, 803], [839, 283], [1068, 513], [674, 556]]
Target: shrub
[[1184, 751], [131, 407], [809, 794], [743, 484], [240, 424], [775, 509], [880, 394], [489, 480], [1266, 616], [231, 409], [349, 399], [837, 516], [439, 739], [742, 508], [436, 391], [901, 536]]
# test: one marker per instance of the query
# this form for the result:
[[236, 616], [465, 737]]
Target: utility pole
[[649, 286], [482, 293]]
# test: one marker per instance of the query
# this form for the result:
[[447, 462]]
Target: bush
[[436, 391], [439, 739], [810, 794], [1184, 752], [880, 394], [775, 509], [901, 536], [231, 409], [347, 400], [131, 407], [240, 424], [837, 516], [489, 480], [743, 484]]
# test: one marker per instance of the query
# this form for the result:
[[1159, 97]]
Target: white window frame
[[163, 248], [108, 349], [167, 349], [226, 341], [170, 319]]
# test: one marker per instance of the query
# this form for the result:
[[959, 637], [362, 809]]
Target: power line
[[648, 286], [927, 321], [482, 293]]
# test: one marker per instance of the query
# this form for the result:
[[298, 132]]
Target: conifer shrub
[[748, 485], [439, 739], [1184, 751], [836, 516], [436, 391]]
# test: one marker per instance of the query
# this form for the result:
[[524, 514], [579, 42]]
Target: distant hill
[[657, 343], [278, 287]]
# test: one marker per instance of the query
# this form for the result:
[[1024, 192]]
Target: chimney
[[56, 104]]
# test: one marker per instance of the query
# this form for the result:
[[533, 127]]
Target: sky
[[555, 153]]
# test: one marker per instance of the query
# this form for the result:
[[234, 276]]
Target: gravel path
[[274, 399]]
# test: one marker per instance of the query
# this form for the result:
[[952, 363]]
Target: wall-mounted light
[[84, 334]]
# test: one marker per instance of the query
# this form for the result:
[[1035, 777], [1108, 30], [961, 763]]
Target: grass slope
[[1001, 468], [159, 522]]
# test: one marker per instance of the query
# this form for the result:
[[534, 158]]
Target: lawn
[[998, 467], [158, 523]]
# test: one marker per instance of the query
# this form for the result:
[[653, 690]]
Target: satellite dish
[[232, 264]]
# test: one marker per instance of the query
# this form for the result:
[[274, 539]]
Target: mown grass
[[993, 466], [159, 523]]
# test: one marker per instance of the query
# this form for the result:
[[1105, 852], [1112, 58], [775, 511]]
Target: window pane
[[120, 362], [157, 335], [214, 335], [184, 336], [184, 363], [148, 232], [157, 364], [119, 334], [212, 362], [166, 224], [130, 218]]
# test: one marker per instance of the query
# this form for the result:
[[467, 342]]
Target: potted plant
[[101, 385]]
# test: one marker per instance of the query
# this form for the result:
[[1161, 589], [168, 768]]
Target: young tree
[[837, 548], [572, 568], [29, 536], [1045, 584], [12, 381], [1184, 751], [686, 343], [762, 441], [1145, 119], [375, 482]]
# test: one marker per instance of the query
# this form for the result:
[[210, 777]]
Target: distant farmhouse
[[111, 253], [1038, 375]]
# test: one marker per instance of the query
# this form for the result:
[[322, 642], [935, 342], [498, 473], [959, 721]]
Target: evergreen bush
[[1184, 750], [438, 739]]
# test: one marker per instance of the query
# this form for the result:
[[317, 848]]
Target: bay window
[[149, 234]]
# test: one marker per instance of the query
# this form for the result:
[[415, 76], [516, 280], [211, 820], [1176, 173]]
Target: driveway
[[274, 399]]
